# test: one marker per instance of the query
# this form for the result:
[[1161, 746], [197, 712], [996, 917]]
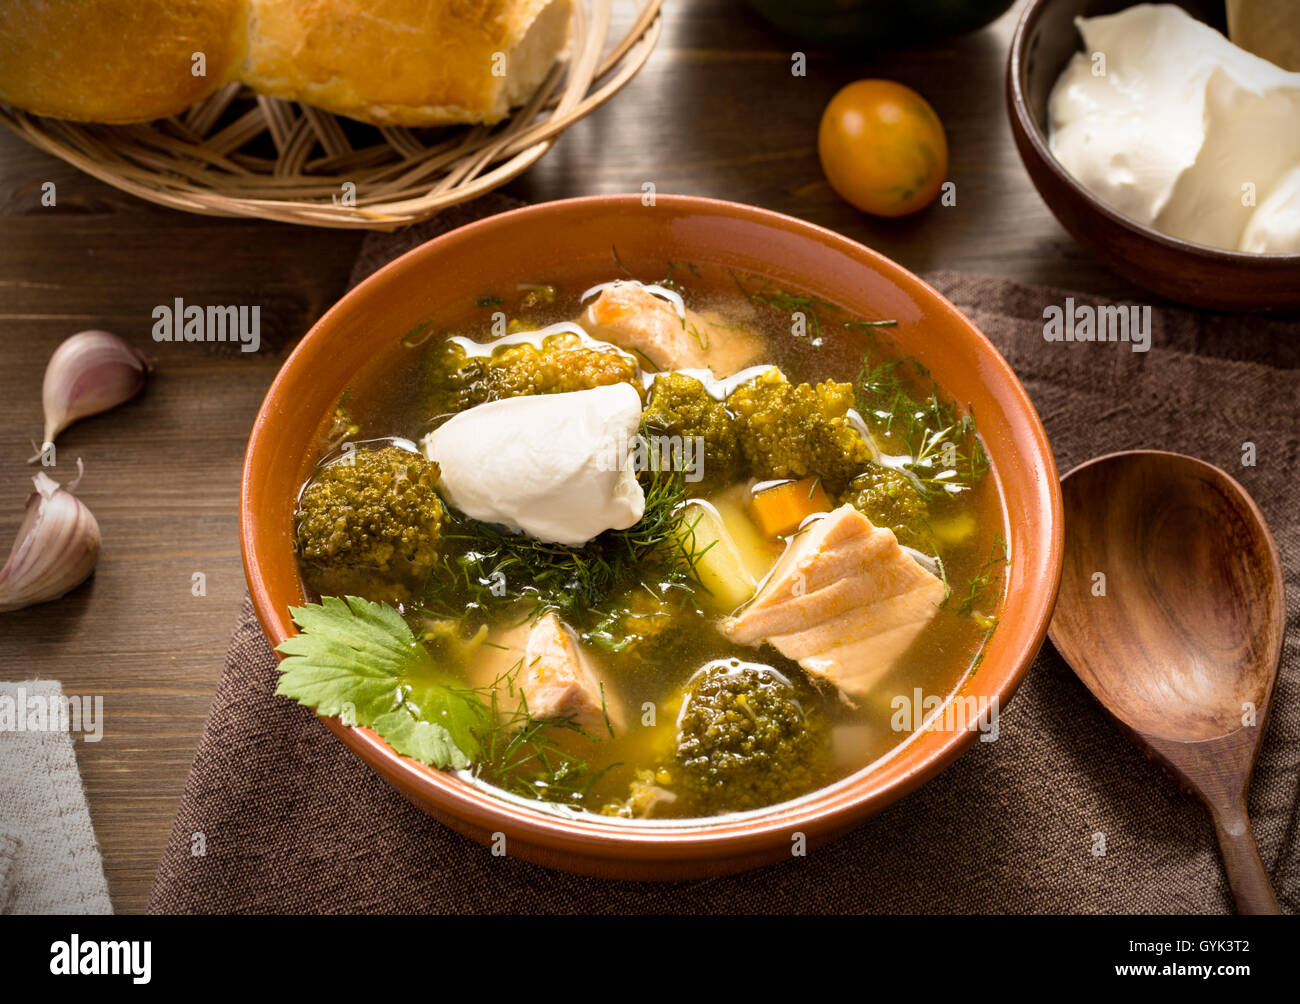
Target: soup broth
[[697, 716]]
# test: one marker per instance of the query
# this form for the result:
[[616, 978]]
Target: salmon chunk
[[634, 319], [554, 677], [845, 602]]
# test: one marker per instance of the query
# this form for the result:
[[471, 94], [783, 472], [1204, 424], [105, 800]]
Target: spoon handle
[[1249, 881]]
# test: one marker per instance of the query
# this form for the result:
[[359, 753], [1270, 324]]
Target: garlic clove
[[90, 372], [56, 548]]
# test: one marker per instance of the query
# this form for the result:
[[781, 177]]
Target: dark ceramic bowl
[[1043, 43]]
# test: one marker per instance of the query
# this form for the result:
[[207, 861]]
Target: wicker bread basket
[[238, 153]]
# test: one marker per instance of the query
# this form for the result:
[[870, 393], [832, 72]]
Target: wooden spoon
[[1172, 612]]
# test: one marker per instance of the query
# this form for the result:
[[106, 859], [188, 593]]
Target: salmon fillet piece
[[552, 674], [634, 319], [845, 602]]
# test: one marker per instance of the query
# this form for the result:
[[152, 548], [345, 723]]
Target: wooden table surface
[[716, 112]]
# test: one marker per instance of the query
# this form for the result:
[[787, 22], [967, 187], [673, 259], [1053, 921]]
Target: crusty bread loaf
[[115, 60], [389, 62], [404, 62]]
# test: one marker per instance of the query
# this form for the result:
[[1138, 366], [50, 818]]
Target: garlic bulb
[[56, 548], [90, 372]]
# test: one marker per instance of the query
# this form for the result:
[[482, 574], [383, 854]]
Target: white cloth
[[49, 861]]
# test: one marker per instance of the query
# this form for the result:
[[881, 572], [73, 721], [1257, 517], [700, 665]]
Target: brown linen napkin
[[293, 822]]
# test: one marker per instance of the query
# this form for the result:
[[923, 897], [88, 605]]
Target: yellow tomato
[[882, 148]]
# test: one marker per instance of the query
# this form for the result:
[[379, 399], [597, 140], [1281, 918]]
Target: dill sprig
[[491, 571], [669, 280], [986, 583], [765, 292], [868, 325], [986, 588], [653, 366], [946, 455], [521, 754], [978, 661]]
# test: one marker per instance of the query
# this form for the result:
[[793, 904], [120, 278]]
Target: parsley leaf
[[423, 741], [360, 661]]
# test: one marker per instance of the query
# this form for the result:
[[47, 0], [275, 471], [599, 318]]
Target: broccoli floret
[[562, 363], [797, 430], [889, 499], [681, 406], [368, 525], [748, 737]]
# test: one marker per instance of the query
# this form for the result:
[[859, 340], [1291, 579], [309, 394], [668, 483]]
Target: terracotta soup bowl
[[578, 237]]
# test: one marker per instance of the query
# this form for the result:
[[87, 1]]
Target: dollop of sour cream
[[558, 467], [1171, 124]]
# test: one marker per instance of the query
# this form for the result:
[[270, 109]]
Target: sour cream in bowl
[[1168, 152]]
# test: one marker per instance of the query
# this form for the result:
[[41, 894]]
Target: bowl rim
[[828, 810], [1017, 72]]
